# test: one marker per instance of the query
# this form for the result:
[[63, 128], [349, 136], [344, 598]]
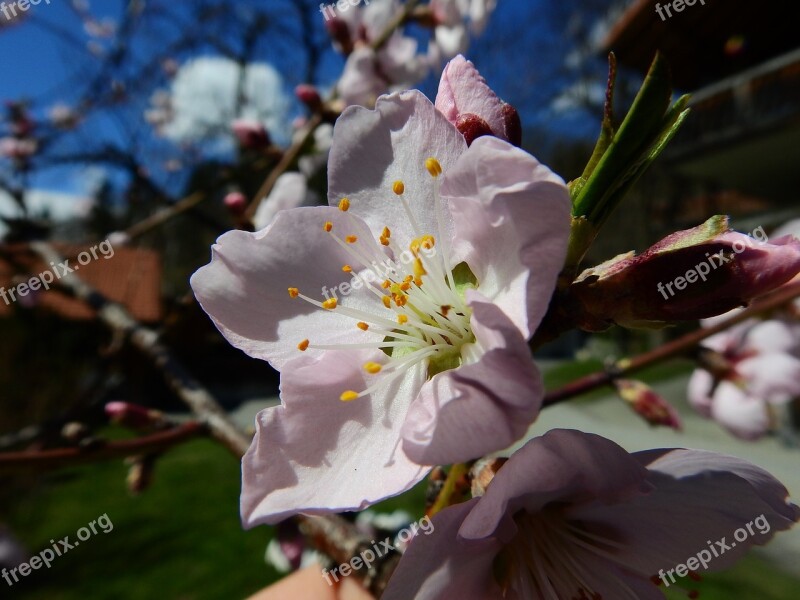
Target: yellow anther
[[418, 281], [426, 241], [387, 301], [294, 292], [362, 326], [398, 187], [402, 319], [351, 239], [419, 270], [400, 299], [408, 279], [347, 269], [348, 396], [433, 166], [344, 204], [303, 346], [384, 241], [386, 284], [372, 367], [405, 286], [328, 226], [387, 233], [330, 304]]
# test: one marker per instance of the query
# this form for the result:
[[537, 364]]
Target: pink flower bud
[[464, 97], [236, 202], [691, 274], [251, 134], [133, 415], [308, 95], [647, 404]]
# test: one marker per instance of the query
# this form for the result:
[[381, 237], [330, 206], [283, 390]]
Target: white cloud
[[204, 99]]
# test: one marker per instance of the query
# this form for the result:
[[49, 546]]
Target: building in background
[[738, 152]]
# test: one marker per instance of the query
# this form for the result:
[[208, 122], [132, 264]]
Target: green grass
[[179, 539]]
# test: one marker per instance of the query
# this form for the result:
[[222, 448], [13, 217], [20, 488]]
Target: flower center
[[554, 558], [425, 317]]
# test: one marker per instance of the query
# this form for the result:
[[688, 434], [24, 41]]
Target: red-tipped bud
[[236, 202], [692, 274], [134, 416], [647, 404], [340, 34], [472, 127], [512, 123], [464, 97], [251, 134], [308, 95]]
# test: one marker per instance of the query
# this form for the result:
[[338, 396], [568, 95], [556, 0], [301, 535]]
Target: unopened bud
[[251, 134], [647, 404], [134, 416], [466, 100], [236, 202], [308, 95], [692, 274]]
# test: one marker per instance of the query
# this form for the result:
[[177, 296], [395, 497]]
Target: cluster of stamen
[[428, 320]]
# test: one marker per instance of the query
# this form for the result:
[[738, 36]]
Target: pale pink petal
[[511, 216], [374, 148], [699, 498], [701, 383], [771, 336], [360, 84], [441, 566], [244, 287], [462, 90], [562, 466], [477, 408], [743, 415], [290, 191], [774, 378], [316, 454]]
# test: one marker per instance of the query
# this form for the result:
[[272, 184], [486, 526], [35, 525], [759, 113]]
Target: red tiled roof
[[132, 277]]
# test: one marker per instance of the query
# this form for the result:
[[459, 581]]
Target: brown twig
[[147, 341], [670, 350], [102, 450], [285, 162]]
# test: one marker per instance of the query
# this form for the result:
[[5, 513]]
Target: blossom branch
[[103, 450], [672, 349], [147, 341]]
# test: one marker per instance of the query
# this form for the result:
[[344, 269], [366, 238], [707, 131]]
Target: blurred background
[[116, 112]]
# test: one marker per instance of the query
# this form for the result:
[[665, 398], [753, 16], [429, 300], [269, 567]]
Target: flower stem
[[672, 349]]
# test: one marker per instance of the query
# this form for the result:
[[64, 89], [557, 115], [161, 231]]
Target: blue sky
[[522, 55]]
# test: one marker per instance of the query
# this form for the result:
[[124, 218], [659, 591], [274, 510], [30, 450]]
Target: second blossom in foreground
[[574, 516], [398, 315]]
